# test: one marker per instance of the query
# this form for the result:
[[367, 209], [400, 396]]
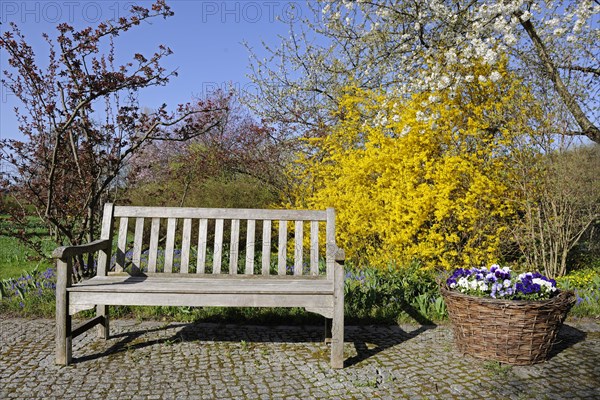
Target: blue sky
[[206, 37]]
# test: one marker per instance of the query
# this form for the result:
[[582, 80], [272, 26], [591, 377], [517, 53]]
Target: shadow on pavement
[[367, 340], [567, 336], [370, 342]]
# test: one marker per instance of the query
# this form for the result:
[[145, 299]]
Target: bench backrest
[[219, 241]]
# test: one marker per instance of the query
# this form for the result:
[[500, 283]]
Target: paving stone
[[154, 360]]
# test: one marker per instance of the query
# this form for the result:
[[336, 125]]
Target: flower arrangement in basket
[[502, 316]]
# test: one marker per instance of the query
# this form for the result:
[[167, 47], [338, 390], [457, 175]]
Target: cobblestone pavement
[[154, 360]]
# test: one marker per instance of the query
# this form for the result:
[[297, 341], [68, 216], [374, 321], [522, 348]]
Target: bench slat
[[330, 238], [314, 247], [137, 246], [122, 244], [266, 248], [219, 213], [153, 250], [298, 247], [104, 257], [250, 237], [282, 250], [202, 239], [307, 300], [218, 250], [185, 245], [171, 226], [234, 246], [170, 284]]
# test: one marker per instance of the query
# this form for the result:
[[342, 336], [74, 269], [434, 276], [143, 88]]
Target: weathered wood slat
[[189, 277], [63, 335], [153, 250], [250, 234], [137, 246], [121, 244], [330, 238], [314, 247], [170, 245], [218, 249], [282, 250], [234, 246], [106, 233], [219, 213], [266, 248], [202, 239], [159, 284], [298, 247], [72, 251], [186, 238], [310, 300]]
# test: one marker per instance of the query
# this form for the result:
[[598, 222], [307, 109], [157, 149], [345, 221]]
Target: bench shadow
[[208, 332], [368, 340]]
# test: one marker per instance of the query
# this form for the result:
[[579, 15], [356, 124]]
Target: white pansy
[[482, 79]]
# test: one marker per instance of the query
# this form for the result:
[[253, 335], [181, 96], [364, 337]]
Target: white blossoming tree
[[408, 46]]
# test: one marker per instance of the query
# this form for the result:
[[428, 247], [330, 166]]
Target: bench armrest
[[65, 252], [339, 255]]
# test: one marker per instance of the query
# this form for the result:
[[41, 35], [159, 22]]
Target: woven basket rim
[[560, 297]]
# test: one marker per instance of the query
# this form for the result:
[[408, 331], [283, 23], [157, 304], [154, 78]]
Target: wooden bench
[[187, 264]]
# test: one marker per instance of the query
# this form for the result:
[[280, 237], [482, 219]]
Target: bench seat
[[201, 291], [202, 285]]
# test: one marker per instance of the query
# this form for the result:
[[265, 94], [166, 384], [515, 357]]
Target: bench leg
[[63, 330], [337, 330], [337, 342], [103, 329]]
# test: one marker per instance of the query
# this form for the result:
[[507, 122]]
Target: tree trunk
[[587, 127]]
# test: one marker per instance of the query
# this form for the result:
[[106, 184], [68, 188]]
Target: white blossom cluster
[[406, 46]]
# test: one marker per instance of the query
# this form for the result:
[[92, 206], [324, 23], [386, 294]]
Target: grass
[[16, 258]]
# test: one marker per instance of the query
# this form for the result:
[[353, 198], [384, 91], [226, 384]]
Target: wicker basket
[[517, 332]]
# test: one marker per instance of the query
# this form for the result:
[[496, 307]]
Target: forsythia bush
[[421, 178]]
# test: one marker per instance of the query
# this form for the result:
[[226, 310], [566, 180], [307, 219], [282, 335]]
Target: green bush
[[392, 295]]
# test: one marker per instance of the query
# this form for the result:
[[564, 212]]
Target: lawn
[[16, 258]]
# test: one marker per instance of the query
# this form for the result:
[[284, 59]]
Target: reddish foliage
[[82, 122], [240, 145]]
